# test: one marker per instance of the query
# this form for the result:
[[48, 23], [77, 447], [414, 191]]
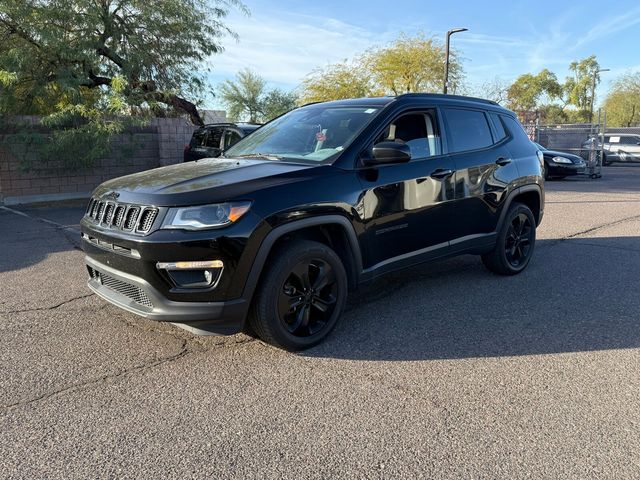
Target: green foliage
[[62, 52], [336, 82], [412, 64], [578, 88], [528, 89], [623, 102], [276, 102], [409, 64], [247, 98]]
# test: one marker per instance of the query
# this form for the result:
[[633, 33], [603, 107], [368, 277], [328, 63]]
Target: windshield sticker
[[370, 110]]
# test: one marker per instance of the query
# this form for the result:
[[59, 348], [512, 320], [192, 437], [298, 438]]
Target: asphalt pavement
[[441, 371]]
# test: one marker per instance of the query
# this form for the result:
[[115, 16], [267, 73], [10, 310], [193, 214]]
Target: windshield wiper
[[268, 156]]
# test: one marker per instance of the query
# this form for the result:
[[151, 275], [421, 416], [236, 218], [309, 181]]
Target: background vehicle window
[[214, 137], [629, 140], [231, 137], [418, 130], [497, 124], [198, 138], [468, 129]]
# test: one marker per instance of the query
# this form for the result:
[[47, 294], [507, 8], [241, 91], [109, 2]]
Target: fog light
[[198, 274]]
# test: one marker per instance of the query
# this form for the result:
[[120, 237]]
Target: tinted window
[[198, 138], [499, 128], [418, 130], [214, 137], [514, 127], [468, 129], [231, 137], [629, 140]]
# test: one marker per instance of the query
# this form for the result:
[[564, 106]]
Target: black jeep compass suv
[[270, 237]]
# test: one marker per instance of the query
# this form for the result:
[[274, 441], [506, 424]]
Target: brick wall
[[160, 142]]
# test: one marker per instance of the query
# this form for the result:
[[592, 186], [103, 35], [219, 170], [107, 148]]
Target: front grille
[[146, 219], [121, 216], [133, 292], [130, 218]]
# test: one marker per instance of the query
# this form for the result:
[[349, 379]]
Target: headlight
[[205, 216], [561, 160]]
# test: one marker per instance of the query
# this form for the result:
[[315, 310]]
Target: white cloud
[[610, 25], [283, 48]]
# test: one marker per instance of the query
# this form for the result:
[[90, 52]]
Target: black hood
[[554, 153], [203, 181]]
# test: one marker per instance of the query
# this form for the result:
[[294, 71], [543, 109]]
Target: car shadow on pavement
[[25, 241], [576, 295]]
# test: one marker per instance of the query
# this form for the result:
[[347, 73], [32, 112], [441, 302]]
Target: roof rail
[[443, 95]]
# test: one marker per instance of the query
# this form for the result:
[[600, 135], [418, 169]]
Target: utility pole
[[593, 91], [446, 57]]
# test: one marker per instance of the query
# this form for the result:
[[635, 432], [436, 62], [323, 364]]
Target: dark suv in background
[[211, 140], [270, 237]]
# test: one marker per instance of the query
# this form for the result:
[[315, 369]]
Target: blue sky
[[285, 40]]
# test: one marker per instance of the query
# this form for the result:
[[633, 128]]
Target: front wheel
[[301, 296], [515, 243]]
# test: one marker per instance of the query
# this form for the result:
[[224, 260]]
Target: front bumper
[[566, 169], [138, 296]]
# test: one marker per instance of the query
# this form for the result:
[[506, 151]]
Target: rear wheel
[[515, 244], [301, 296]]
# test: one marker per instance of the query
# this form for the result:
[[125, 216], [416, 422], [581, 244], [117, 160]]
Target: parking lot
[[442, 371]]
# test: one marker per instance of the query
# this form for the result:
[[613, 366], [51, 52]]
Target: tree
[[244, 95], [61, 52], [623, 101], [276, 102], [247, 98], [528, 90], [336, 82], [409, 64], [412, 64], [578, 88]]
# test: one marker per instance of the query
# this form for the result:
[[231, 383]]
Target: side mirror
[[389, 152]]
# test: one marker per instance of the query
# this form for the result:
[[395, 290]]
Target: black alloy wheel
[[518, 242], [308, 298], [515, 242], [301, 295]]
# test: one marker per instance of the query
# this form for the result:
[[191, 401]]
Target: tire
[[605, 162], [297, 305], [515, 243]]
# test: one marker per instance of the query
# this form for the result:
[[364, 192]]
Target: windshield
[[539, 146], [312, 134]]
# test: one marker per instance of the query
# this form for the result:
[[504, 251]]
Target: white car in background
[[621, 147]]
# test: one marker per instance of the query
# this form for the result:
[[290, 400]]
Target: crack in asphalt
[[184, 351], [39, 309]]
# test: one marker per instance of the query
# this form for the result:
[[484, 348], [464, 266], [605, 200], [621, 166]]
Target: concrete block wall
[[160, 142]]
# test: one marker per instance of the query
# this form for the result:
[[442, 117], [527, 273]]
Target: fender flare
[[532, 187], [274, 235]]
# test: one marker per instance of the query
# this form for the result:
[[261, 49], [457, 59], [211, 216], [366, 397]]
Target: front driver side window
[[418, 130]]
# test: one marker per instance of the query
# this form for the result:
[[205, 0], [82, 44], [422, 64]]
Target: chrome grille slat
[[121, 216]]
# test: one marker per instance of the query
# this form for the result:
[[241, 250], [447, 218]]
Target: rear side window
[[498, 127], [231, 137], [198, 138], [468, 129], [214, 137], [514, 127]]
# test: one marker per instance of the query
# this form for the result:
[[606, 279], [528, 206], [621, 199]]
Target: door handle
[[502, 161], [440, 173]]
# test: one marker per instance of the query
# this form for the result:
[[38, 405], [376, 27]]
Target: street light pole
[[593, 91], [446, 57]]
